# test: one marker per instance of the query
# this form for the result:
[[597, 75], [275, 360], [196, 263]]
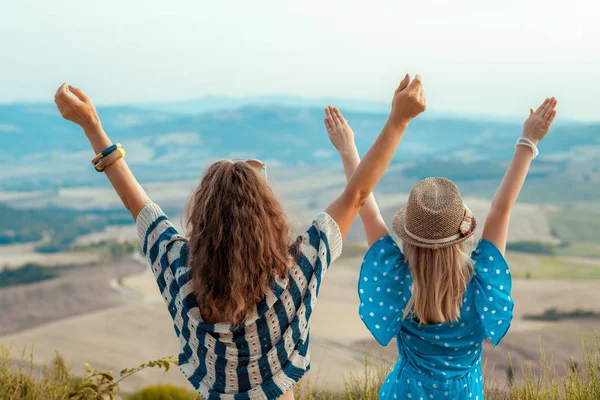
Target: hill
[[40, 150]]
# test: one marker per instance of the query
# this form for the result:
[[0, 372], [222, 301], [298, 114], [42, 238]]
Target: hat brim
[[398, 226]]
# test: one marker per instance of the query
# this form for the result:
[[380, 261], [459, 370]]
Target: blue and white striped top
[[262, 358]]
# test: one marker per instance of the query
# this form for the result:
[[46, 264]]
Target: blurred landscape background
[[71, 276]]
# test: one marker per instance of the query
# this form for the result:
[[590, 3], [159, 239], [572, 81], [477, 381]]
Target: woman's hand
[[75, 106], [340, 133], [538, 124], [408, 102]]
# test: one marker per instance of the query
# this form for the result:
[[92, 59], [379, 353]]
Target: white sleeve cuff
[[150, 213], [327, 225]]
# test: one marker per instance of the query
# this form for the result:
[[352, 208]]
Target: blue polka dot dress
[[438, 361]]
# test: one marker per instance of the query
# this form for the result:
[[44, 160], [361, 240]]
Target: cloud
[[241, 155], [139, 151], [178, 138], [322, 153], [9, 128]]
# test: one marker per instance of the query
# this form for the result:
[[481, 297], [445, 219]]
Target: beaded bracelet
[[105, 153], [110, 159], [523, 141]]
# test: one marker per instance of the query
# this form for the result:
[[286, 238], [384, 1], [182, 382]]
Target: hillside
[[163, 143]]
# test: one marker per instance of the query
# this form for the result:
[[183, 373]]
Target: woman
[[240, 291], [439, 303]]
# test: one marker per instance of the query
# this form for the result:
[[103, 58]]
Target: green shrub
[[164, 392], [552, 314], [28, 273], [532, 247]]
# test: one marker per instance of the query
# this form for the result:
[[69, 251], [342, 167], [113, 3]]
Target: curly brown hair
[[239, 240]]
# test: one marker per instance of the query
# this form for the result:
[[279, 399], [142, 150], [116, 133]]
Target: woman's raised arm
[[408, 102], [342, 138], [535, 128], [75, 106]]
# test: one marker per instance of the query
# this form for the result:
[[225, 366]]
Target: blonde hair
[[440, 277]]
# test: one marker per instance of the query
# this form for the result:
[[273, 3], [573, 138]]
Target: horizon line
[[374, 103]]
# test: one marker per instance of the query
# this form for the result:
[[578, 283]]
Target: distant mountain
[[212, 103], [219, 103], [39, 148]]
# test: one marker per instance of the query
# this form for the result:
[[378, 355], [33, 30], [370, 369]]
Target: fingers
[[60, 102], [61, 91], [541, 107], [330, 118], [415, 85], [62, 105], [338, 115], [335, 118], [403, 84], [547, 111], [64, 93], [328, 126], [422, 96], [551, 117], [530, 112], [79, 93]]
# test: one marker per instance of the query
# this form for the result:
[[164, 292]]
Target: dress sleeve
[[384, 289], [493, 286], [165, 250]]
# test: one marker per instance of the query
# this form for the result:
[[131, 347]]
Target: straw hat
[[435, 215]]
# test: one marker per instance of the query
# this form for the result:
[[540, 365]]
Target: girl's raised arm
[[535, 128], [342, 138], [408, 102], [75, 106]]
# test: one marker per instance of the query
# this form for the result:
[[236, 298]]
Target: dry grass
[[540, 382], [21, 381]]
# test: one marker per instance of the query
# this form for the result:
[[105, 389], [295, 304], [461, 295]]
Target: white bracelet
[[528, 143], [524, 139]]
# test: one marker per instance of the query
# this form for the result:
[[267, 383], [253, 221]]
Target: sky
[[475, 56]]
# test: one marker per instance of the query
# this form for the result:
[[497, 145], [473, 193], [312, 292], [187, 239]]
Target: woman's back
[[264, 356]]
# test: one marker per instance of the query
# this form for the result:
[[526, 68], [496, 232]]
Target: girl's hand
[[408, 102], [75, 106], [539, 121], [340, 133]]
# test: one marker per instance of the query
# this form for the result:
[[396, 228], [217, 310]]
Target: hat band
[[432, 241]]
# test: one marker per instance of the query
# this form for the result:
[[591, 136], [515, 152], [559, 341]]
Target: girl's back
[[434, 359]]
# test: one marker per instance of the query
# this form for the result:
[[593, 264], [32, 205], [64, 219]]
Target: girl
[[439, 303], [240, 292]]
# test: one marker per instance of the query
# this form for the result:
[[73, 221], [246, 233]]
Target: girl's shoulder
[[384, 248], [489, 262]]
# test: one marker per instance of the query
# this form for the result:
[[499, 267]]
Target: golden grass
[[20, 380]]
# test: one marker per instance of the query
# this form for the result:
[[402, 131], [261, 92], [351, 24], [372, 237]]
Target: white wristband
[[528, 143], [524, 139]]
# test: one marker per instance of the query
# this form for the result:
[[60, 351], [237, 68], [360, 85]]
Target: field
[[137, 328], [110, 314], [579, 230]]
